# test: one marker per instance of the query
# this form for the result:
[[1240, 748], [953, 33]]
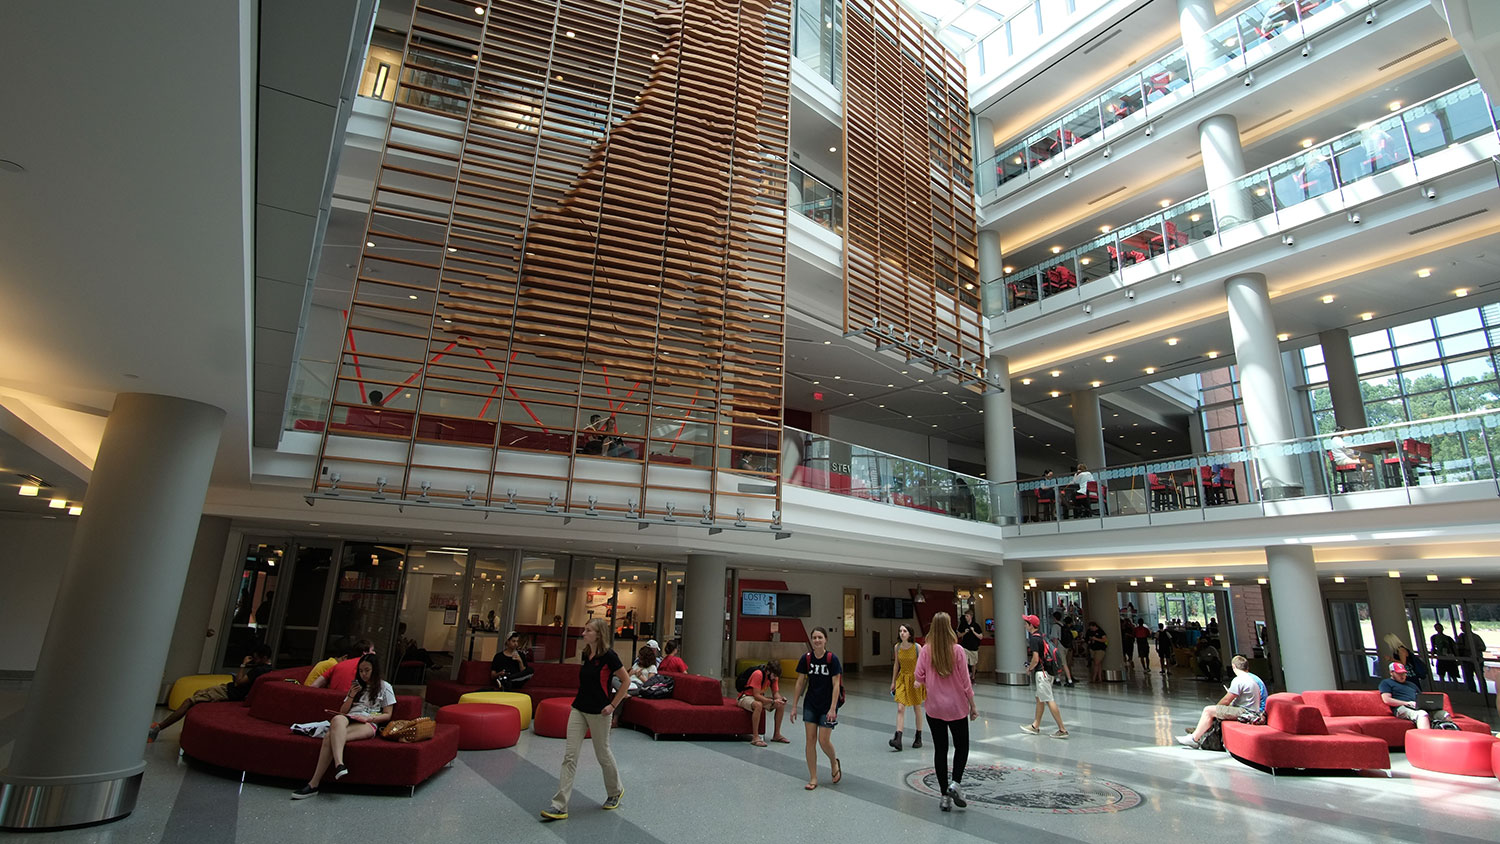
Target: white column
[[1388, 615], [1268, 415], [1010, 632], [1088, 430], [1103, 605], [703, 614], [1302, 626], [991, 272], [1000, 443], [1343, 380], [1195, 18], [78, 756], [1223, 163]]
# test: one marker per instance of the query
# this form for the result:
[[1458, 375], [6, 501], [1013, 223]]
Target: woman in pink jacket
[[942, 671]]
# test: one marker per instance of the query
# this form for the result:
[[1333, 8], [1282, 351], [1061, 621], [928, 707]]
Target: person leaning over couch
[[1399, 692], [366, 707], [340, 677], [251, 667]]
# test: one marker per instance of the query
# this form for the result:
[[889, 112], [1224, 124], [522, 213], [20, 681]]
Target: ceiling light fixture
[[1150, 370], [1424, 272], [1432, 578], [1056, 249], [1327, 299], [1171, 341], [1096, 383], [58, 503], [75, 510], [370, 244], [1307, 142], [1025, 382], [1055, 373], [1261, 580], [833, 149], [1134, 583], [29, 490], [1467, 581], [1109, 358], [1395, 105], [1105, 229], [1393, 574], [1461, 292], [1283, 337], [1008, 270], [1367, 316], [1339, 579], [1212, 355], [1055, 394]]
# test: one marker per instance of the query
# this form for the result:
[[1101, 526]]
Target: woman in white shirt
[[366, 707]]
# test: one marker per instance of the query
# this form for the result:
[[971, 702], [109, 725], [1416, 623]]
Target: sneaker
[[304, 792], [946, 804], [1187, 741], [549, 815], [958, 796], [1027, 728], [1062, 734], [614, 802], [340, 772]]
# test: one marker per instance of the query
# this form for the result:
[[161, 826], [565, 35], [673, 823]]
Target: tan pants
[[578, 724]]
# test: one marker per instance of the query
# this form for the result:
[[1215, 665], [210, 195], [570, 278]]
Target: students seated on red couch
[[762, 691], [1246, 696], [366, 708], [672, 662], [254, 665], [1400, 694], [341, 676], [509, 670]]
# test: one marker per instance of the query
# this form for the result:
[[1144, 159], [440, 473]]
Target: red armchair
[[1295, 736]]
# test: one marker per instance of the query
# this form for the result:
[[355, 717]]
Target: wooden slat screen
[[573, 284], [910, 248]]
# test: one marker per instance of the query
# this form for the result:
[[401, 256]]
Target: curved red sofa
[[1295, 736], [1364, 709], [255, 736], [697, 707], [552, 679]]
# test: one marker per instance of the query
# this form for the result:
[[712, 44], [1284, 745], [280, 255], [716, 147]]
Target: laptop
[[1430, 701]]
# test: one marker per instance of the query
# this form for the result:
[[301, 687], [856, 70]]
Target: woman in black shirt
[[970, 637], [591, 712], [821, 674], [508, 670]]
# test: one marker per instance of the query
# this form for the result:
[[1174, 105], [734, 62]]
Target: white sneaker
[[958, 796], [1187, 741], [1027, 728]]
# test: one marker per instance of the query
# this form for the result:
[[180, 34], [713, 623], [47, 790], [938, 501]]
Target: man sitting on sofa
[[252, 666], [1400, 694], [1245, 695], [762, 692]]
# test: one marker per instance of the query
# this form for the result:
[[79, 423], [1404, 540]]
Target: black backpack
[[742, 682], [659, 686], [1067, 636], [1213, 739]]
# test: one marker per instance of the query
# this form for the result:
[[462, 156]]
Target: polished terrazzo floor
[[1118, 779]]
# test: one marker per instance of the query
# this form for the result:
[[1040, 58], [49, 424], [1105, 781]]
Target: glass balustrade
[[830, 465], [1261, 31], [815, 199], [1461, 114], [1405, 456]]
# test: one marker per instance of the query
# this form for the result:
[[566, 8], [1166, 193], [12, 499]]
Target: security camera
[[1370, 18], [1354, 218], [1249, 79], [1067, 172], [1130, 294], [1176, 278], [1148, 130], [1430, 193], [1289, 240], [1106, 152], [1088, 309], [1306, 51]]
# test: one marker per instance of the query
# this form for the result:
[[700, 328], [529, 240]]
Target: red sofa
[[697, 707], [551, 680], [1296, 736], [254, 736], [1364, 709]]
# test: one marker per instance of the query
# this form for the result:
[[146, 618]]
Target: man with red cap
[[1400, 694], [1041, 679]]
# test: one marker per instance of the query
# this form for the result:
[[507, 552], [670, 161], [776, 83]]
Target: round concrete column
[[1302, 626], [1223, 163], [1387, 615], [1343, 379], [991, 272], [1257, 353], [1088, 430], [1010, 630], [1103, 606], [703, 614], [78, 755], [1195, 18], [1000, 445]]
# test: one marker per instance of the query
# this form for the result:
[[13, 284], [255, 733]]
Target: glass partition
[[428, 623], [1452, 117], [635, 608], [254, 601], [818, 38], [842, 468], [297, 642], [815, 199], [541, 598]]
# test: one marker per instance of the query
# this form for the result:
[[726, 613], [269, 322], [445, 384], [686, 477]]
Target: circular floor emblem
[[1015, 788]]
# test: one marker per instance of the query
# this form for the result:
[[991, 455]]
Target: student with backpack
[[1061, 636], [1042, 664], [941, 672], [820, 674], [759, 688]]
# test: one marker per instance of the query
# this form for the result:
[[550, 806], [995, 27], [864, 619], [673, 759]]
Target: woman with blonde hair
[[591, 712], [902, 686], [942, 674]]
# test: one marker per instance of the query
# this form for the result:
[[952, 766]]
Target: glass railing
[[815, 199], [307, 406], [1265, 29], [814, 461], [818, 38], [1403, 456], [1419, 130]]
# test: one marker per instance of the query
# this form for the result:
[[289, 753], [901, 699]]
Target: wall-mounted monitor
[[757, 603], [776, 604], [793, 605]]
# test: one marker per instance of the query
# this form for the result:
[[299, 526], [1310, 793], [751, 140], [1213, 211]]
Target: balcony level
[[1269, 88]]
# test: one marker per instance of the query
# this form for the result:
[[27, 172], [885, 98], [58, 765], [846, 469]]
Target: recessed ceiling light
[[411, 296], [1461, 292], [1096, 383], [1150, 370], [478, 10], [1424, 272], [908, 416], [1056, 249], [370, 243], [1339, 579], [1106, 229], [1395, 105], [890, 385], [1307, 142], [1055, 373], [1171, 341], [1109, 358], [1432, 578], [1393, 574], [833, 149], [1367, 316], [1135, 583], [1165, 202], [1169, 586], [75, 510], [921, 380], [1085, 261], [1467, 581], [1283, 337], [29, 490], [1212, 355], [1327, 299], [58, 503], [838, 377], [828, 342], [882, 405], [1026, 382], [568, 34], [1008, 270], [1261, 580], [1055, 394]]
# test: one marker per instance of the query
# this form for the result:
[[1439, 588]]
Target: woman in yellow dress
[[906, 692]]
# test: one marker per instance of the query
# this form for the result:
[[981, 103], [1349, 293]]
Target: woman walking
[[903, 687], [591, 712], [820, 674], [950, 700]]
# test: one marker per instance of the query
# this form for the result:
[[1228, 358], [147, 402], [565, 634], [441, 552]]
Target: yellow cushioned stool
[[521, 702], [186, 686]]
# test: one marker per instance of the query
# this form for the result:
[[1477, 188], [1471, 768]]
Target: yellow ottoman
[[186, 686], [521, 702]]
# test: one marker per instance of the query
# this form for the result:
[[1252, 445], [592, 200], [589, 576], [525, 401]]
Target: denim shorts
[[818, 717]]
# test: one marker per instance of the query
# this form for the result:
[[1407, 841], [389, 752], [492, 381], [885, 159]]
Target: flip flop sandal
[[782, 740], [757, 743], [838, 771], [810, 786]]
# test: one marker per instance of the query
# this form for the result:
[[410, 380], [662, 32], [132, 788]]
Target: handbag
[[417, 729]]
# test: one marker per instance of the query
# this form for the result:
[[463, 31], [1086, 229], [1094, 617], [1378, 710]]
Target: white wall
[[31, 569], [919, 447]]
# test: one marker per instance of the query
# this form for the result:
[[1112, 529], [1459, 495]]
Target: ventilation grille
[[1448, 221], [1103, 197], [1111, 325], [1399, 59], [1100, 43]]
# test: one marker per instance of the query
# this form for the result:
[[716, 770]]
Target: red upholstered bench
[[1495, 758], [1452, 752], [1295, 736], [1365, 710], [551, 679], [482, 726], [697, 707], [551, 718]]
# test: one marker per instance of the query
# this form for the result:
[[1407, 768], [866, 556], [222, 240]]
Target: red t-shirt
[[673, 663], [755, 680]]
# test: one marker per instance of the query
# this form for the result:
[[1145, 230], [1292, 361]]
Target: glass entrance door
[[298, 636], [1458, 666], [254, 601], [278, 600]]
